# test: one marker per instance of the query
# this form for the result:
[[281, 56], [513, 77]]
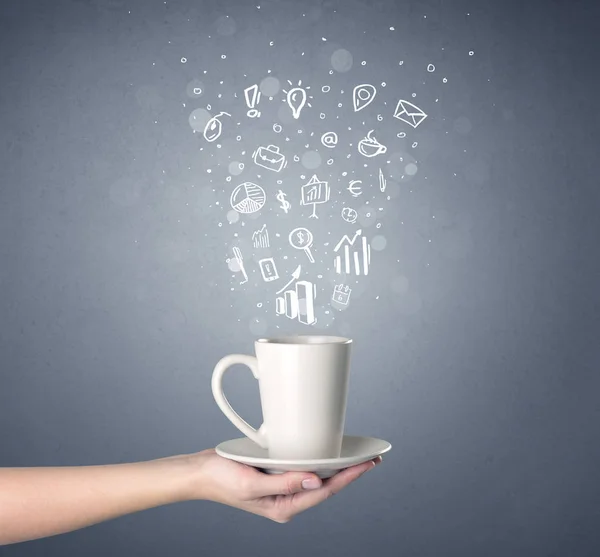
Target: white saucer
[[355, 450]]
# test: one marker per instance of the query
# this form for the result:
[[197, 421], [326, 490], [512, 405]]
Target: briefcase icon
[[269, 158]]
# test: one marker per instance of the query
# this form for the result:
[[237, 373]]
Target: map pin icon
[[296, 99], [363, 96]]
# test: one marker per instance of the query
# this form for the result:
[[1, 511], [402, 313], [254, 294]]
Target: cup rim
[[292, 340]]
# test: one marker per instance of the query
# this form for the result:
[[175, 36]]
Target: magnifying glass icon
[[301, 238]]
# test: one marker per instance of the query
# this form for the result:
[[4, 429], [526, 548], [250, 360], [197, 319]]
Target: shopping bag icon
[[269, 158]]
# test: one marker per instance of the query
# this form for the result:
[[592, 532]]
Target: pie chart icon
[[248, 198]]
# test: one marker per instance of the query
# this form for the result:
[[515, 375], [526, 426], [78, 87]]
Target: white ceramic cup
[[303, 383]]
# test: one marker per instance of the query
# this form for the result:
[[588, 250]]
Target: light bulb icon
[[297, 99]]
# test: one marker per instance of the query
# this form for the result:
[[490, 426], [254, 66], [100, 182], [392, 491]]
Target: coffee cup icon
[[370, 147]]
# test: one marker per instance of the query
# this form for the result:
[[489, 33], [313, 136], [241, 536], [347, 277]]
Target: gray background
[[478, 362]]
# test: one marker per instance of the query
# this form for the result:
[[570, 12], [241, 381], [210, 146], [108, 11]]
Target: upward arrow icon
[[346, 239]]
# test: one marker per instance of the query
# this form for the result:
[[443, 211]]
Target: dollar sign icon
[[300, 237], [285, 205]]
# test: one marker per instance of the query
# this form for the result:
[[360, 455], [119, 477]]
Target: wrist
[[189, 476], [181, 476]]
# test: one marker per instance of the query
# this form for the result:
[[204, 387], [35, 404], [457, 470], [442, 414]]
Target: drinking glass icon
[[301, 238]]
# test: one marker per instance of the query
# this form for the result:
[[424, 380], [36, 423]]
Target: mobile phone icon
[[268, 269]]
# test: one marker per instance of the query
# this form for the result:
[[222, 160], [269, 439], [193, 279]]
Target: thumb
[[287, 483]]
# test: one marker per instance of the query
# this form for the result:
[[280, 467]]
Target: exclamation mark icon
[[252, 95]]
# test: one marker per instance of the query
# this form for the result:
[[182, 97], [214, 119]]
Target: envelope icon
[[409, 113], [269, 158]]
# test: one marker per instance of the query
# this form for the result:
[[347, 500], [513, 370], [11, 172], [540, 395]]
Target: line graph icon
[[357, 260], [260, 238]]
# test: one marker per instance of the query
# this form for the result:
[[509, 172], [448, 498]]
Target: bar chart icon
[[298, 303], [354, 256]]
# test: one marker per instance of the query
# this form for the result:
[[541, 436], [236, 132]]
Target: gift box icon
[[270, 158]]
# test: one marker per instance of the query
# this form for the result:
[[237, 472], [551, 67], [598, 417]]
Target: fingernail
[[374, 463], [311, 483]]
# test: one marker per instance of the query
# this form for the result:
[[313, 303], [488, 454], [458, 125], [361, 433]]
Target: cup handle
[[257, 435]]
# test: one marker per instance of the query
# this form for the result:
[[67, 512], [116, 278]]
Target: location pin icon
[[296, 99], [363, 96]]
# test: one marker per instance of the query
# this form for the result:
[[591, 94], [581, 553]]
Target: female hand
[[44, 501], [278, 497]]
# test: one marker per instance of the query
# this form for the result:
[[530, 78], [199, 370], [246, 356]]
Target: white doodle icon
[[370, 147], [354, 189], [296, 98], [298, 303], [295, 276], [301, 238], [341, 294], [269, 158], [285, 205], [260, 238], [363, 96], [357, 259], [268, 269], [214, 127], [349, 215], [329, 139], [315, 192], [247, 198], [252, 96], [382, 182], [238, 257], [409, 113]]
